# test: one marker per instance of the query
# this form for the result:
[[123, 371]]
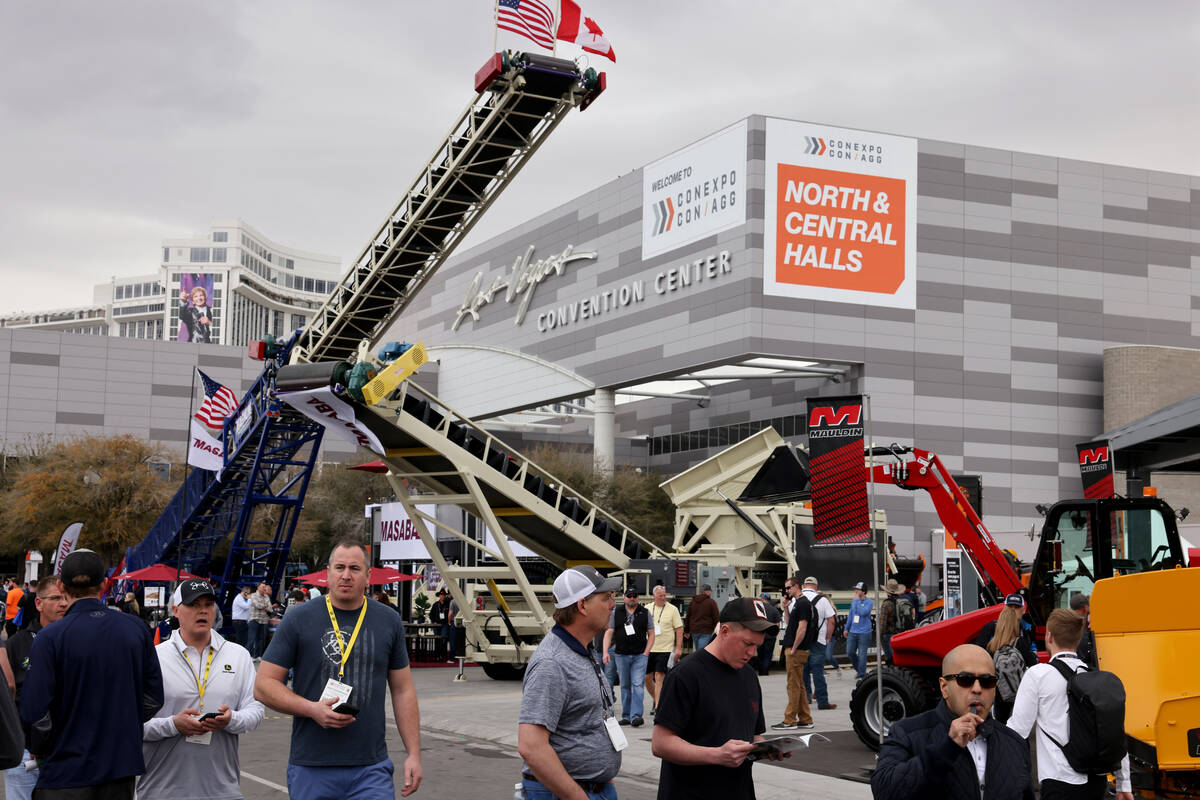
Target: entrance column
[[604, 444]]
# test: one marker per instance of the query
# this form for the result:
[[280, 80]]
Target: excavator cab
[[1084, 541]]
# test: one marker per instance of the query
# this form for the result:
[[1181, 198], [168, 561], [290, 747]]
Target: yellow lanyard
[[337, 631], [201, 688]]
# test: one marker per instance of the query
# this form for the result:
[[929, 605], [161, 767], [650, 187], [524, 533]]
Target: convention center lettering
[[527, 275]]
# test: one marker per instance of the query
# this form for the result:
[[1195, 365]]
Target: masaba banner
[[321, 405], [1096, 469], [839, 486]]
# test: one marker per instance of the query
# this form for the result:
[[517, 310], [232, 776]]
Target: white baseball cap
[[576, 583]]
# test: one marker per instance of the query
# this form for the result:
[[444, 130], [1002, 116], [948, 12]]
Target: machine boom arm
[[920, 469]]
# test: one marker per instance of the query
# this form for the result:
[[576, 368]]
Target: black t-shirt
[[623, 643], [707, 702], [18, 647], [800, 610]]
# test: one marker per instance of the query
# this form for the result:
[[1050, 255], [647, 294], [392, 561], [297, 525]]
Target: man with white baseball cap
[[568, 730], [191, 745]]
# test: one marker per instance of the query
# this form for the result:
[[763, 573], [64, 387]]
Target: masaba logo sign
[[695, 192], [840, 217]]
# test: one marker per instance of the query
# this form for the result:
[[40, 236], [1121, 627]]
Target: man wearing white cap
[[568, 730], [191, 745]]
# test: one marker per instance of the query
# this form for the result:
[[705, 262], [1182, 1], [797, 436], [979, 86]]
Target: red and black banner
[[1096, 469], [839, 486]]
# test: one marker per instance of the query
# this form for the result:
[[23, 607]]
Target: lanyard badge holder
[[336, 688], [201, 690], [609, 712]]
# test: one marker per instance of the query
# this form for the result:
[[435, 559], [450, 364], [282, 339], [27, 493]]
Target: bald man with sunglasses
[[955, 751]]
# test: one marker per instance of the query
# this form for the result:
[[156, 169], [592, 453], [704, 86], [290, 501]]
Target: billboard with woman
[[195, 308]]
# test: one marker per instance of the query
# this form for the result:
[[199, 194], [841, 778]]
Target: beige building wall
[[1141, 379]]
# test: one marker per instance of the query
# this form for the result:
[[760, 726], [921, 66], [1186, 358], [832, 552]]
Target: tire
[[503, 672], [904, 694]]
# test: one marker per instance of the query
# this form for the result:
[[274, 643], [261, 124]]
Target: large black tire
[[904, 695], [503, 672]]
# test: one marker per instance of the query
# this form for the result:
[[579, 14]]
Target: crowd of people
[[168, 722]]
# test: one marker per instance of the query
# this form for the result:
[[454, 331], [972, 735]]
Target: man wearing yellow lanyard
[[191, 744], [347, 652]]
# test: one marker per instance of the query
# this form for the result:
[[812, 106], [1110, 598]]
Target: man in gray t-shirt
[[566, 701], [336, 754]]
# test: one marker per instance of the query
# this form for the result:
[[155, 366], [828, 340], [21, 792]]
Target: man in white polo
[[191, 744]]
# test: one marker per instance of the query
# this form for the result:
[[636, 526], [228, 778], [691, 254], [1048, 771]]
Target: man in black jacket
[[955, 751]]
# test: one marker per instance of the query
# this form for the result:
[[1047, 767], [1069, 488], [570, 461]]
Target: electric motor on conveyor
[[362, 381]]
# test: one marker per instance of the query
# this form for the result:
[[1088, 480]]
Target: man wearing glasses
[[956, 750], [51, 605]]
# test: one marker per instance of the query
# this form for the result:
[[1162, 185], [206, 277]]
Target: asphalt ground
[[469, 744]]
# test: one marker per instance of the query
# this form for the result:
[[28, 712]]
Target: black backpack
[[814, 622], [1096, 712], [906, 613]]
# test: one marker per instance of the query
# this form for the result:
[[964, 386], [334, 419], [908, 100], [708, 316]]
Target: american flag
[[532, 19], [219, 403]]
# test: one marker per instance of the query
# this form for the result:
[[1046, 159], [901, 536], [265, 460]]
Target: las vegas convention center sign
[[839, 224]]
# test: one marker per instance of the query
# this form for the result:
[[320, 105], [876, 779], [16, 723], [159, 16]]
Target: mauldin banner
[[839, 486]]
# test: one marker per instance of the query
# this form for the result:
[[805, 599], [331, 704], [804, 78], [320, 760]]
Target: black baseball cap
[[631, 591], [193, 589], [83, 569], [755, 614]]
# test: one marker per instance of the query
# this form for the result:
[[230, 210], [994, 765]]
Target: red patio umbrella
[[377, 576], [157, 572]]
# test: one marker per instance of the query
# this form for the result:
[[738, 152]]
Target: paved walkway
[[485, 709]]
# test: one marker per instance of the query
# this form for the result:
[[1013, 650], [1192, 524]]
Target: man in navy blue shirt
[[93, 680]]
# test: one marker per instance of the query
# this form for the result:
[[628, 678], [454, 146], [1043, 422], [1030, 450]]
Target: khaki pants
[[797, 707]]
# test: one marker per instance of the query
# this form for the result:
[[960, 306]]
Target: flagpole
[[554, 24], [495, 25], [187, 473]]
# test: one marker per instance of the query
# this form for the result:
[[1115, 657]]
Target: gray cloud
[[126, 122]]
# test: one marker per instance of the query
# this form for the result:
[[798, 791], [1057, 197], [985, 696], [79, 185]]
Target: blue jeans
[[536, 791], [372, 782], [19, 782], [610, 669], [701, 640], [257, 638], [239, 632], [816, 665], [632, 671], [857, 645]]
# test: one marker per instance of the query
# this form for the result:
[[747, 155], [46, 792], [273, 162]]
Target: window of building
[[220, 236], [289, 263], [218, 255], [119, 293], [309, 285], [124, 328], [137, 290], [199, 255], [166, 254], [298, 321]]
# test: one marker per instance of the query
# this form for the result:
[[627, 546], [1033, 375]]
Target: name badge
[[657, 630], [856, 619], [629, 629], [200, 738], [334, 688], [615, 734]]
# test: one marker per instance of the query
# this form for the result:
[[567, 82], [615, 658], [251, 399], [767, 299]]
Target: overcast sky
[[123, 123]]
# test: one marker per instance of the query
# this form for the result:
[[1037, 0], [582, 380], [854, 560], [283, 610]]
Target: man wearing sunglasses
[[956, 751]]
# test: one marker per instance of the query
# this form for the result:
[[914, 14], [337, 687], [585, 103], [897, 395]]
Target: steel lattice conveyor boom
[[523, 97], [436, 456], [270, 453]]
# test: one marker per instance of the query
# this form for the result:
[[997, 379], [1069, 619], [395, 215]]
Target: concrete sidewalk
[[487, 709]]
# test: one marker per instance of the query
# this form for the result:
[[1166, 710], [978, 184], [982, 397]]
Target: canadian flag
[[583, 31]]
